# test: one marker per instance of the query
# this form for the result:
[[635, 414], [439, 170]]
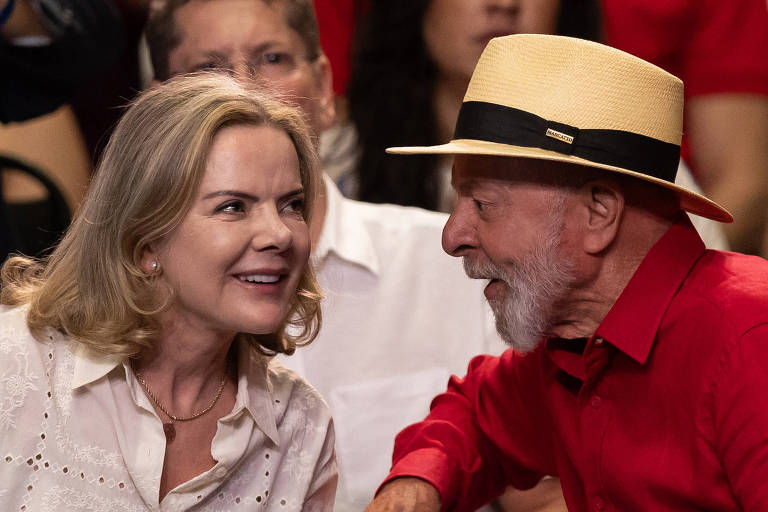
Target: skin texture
[[504, 217], [404, 495], [246, 219], [251, 37]]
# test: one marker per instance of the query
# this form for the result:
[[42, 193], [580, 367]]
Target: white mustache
[[487, 270]]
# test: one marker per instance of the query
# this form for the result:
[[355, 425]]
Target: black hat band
[[506, 125]]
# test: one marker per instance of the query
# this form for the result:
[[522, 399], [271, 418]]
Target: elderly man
[[384, 349], [644, 383]]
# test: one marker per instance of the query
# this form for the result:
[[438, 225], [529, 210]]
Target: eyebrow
[[263, 47], [216, 56], [232, 193], [464, 187], [223, 56], [250, 197], [294, 193]]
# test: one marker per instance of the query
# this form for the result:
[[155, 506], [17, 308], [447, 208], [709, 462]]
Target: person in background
[[720, 51], [136, 368], [638, 363], [410, 71], [383, 350], [49, 47]]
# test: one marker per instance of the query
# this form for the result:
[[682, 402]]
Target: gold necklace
[[168, 428]]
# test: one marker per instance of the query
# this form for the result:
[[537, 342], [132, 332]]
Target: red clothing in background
[[336, 20], [666, 409], [714, 46]]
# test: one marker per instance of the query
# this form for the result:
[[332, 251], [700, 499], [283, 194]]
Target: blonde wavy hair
[[93, 287]]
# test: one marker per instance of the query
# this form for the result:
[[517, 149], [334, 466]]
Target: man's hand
[[406, 495]]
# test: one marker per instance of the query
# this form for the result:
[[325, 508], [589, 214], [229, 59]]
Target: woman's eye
[[479, 204], [231, 207], [294, 206]]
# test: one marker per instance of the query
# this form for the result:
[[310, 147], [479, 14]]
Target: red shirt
[[665, 408], [713, 46]]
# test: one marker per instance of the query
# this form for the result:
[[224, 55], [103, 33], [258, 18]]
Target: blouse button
[[598, 341], [596, 402]]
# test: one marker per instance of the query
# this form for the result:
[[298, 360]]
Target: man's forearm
[[406, 495]]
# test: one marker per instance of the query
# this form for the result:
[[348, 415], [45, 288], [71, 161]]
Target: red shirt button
[[599, 504], [596, 402]]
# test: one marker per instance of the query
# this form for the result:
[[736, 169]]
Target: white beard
[[534, 286]]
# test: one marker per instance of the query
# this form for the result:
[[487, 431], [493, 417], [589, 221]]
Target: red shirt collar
[[633, 321]]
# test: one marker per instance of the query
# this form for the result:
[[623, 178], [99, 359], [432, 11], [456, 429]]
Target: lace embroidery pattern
[[16, 377], [58, 498], [35, 377], [60, 449]]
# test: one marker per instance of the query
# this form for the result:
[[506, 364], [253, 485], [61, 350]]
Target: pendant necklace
[[168, 428]]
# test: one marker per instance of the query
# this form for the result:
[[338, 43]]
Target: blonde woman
[[135, 368]]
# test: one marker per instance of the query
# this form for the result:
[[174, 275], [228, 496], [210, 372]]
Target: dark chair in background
[[31, 228]]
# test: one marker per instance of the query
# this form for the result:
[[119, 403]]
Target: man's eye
[[479, 205], [274, 58], [207, 66]]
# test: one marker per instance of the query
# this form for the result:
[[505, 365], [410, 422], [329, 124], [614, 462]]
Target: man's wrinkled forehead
[[500, 168], [182, 15], [297, 16]]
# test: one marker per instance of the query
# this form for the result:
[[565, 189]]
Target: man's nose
[[459, 235], [244, 68]]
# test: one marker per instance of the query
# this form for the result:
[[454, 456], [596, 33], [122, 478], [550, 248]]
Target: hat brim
[[689, 201]]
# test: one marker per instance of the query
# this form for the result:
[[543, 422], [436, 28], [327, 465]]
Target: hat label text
[[559, 136]]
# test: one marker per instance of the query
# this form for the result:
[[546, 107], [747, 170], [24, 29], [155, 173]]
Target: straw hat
[[570, 100]]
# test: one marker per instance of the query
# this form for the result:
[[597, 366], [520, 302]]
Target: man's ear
[[603, 201], [325, 96]]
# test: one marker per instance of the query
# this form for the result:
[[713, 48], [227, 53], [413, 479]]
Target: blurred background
[[400, 68]]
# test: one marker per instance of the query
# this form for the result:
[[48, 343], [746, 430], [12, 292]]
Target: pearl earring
[[154, 266]]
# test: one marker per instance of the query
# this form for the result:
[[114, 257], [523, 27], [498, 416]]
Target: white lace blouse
[[77, 433]]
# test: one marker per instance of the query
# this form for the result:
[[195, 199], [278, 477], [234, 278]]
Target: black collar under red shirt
[[633, 321]]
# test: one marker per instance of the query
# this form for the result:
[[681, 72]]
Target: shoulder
[[15, 336], [726, 305], [15, 332], [13, 317], [28, 366], [733, 286], [291, 391]]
